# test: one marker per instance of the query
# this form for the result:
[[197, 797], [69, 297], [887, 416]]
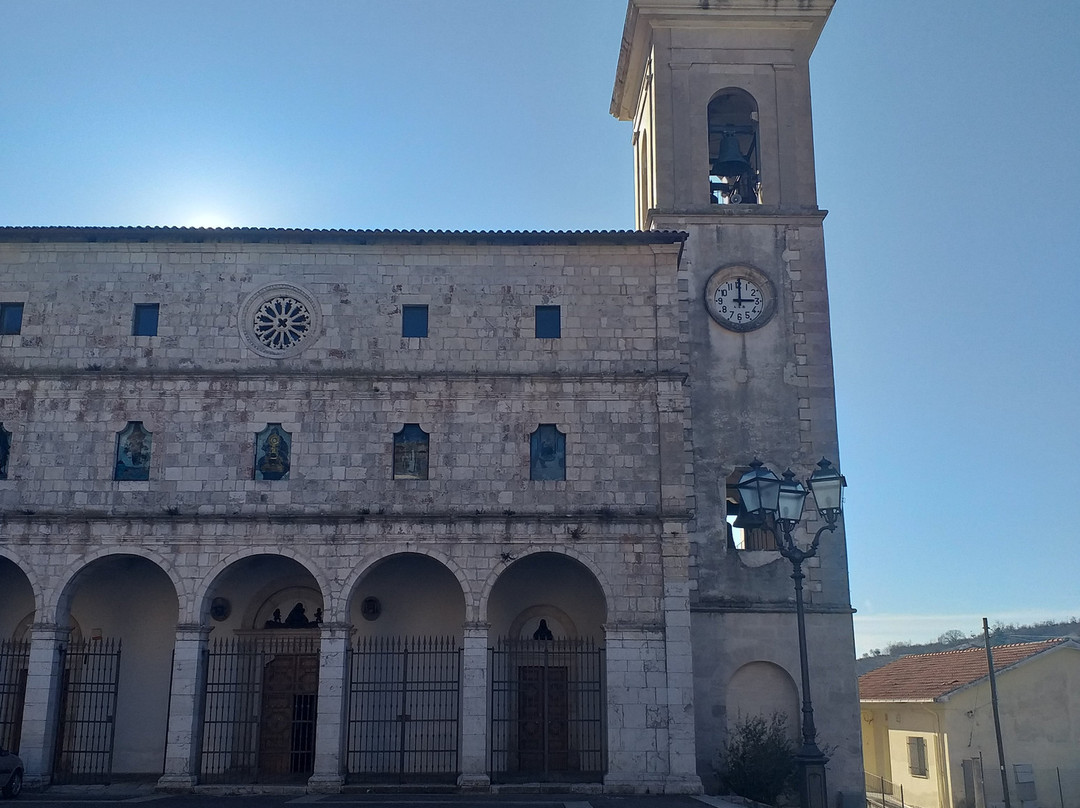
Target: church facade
[[341, 507]]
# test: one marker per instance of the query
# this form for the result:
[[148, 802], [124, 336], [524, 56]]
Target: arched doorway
[[116, 668], [405, 675], [547, 672], [16, 615], [262, 681]]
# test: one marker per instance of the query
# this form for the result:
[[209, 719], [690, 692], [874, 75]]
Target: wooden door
[[287, 724], [543, 719]]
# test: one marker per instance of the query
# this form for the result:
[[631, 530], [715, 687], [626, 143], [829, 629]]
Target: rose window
[[282, 322]]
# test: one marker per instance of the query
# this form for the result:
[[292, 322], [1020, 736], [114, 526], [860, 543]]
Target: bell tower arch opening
[[734, 162]]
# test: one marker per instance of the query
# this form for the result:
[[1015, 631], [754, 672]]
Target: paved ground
[[134, 795]]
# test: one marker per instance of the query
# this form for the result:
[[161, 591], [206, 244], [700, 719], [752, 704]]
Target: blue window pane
[[133, 445], [11, 318], [411, 453], [273, 447], [414, 321], [548, 322], [144, 322], [547, 453]]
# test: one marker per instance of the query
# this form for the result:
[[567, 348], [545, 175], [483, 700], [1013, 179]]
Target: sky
[[947, 155]]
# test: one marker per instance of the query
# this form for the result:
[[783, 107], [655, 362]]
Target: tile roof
[[926, 677], [278, 235]]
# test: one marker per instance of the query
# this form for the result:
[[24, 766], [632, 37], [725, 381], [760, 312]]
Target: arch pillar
[[328, 775], [186, 693], [682, 776], [474, 708], [42, 702]]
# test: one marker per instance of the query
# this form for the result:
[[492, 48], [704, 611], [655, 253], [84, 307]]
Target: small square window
[[145, 319], [548, 322], [11, 318], [414, 321]]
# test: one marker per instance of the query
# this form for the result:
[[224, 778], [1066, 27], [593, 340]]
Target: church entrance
[[547, 711], [261, 704]]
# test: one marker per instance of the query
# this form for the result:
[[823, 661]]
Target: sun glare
[[208, 219]]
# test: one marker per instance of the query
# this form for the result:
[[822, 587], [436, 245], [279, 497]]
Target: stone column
[[682, 776], [187, 697], [474, 709], [636, 709], [42, 702], [331, 727]]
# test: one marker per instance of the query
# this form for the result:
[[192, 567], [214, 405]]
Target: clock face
[[740, 298], [739, 301]]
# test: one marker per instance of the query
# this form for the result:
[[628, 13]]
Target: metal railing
[[547, 711], [260, 709], [14, 662], [86, 730], [404, 713]]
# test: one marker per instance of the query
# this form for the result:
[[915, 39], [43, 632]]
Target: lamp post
[[778, 504]]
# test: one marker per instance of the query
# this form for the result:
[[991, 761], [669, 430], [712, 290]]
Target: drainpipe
[[941, 749]]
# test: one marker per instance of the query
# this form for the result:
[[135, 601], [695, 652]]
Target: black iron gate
[[259, 714], [14, 662], [403, 709], [547, 711], [84, 738]]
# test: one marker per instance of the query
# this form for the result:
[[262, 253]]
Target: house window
[[133, 452], [273, 447], [144, 320], [414, 321], [547, 453], [548, 322], [11, 318], [916, 749], [411, 453]]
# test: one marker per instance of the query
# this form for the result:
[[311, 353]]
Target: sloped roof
[[927, 677], [278, 235]]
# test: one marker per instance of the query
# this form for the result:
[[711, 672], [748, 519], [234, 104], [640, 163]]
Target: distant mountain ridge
[[1000, 634]]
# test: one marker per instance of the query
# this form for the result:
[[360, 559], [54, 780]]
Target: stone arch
[[31, 576], [279, 570], [349, 585], [762, 688], [565, 590], [734, 147], [20, 596], [409, 594], [597, 573], [196, 608], [127, 606], [62, 593]]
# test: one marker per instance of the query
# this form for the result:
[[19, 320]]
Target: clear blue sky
[[948, 156]]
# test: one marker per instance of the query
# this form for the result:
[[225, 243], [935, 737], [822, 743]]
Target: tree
[[758, 759]]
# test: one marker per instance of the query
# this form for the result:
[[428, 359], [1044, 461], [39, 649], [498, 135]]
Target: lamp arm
[[790, 550]]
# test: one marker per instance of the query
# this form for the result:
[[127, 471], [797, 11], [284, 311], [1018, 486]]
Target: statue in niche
[[297, 618], [543, 632], [272, 449], [133, 453]]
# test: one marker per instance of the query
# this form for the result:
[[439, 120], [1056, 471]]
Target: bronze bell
[[730, 161]]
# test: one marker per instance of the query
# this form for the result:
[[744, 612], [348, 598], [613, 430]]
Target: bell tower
[[719, 95]]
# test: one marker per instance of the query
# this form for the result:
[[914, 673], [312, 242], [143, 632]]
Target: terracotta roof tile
[[925, 677]]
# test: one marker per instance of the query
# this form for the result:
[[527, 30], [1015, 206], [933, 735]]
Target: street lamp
[[778, 505]]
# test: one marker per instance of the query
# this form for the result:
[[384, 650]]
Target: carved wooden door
[[287, 725], [543, 719]]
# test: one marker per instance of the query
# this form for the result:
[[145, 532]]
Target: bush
[[758, 760]]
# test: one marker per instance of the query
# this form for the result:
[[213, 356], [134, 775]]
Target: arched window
[[133, 452], [411, 453], [734, 163], [547, 453]]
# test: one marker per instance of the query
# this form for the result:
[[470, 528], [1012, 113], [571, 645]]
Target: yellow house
[[928, 728]]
